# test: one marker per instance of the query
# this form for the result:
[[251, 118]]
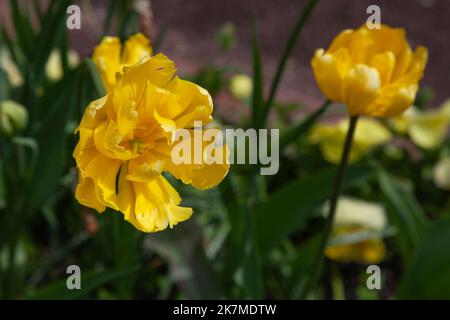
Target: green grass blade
[[303, 18], [403, 211], [258, 82], [111, 9], [95, 76], [50, 36]]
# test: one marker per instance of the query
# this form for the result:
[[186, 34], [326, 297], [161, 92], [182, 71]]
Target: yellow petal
[[428, 130], [370, 251], [137, 47], [125, 195], [94, 113], [327, 75], [103, 171], [361, 88], [110, 143], [342, 40], [384, 63], [157, 206], [107, 59], [196, 104], [86, 195], [441, 173], [145, 168], [209, 172]]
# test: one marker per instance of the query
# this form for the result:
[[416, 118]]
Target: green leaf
[[258, 82], [290, 207], [4, 85], [296, 131], [23, 29], [31, 144], [242, 261], [89, 281], [13, 51], [2, 187], [52, 147], [51, 34], [290, 45], [112, 7], [303, 265], [428, 277], [403, 211], [249, 273], [38, 11], [95, 77]]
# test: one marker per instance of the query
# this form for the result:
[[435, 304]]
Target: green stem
[[320, 259]]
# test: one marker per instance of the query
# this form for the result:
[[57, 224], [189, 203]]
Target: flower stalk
[[311, 284]]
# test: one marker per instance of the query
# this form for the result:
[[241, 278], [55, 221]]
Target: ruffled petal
[[156, 206], [205, 170]]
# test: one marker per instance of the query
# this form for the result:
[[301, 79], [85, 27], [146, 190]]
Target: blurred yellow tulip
[[355, 216], [54, 67], [13, 118], [111, 57], [369, 133], [441, 173], [12, 72], [427, 129]]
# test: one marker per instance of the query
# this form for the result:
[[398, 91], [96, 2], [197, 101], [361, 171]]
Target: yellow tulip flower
[[373, 71], [125, 145], [110, 57], [369, 133], [355, 216]]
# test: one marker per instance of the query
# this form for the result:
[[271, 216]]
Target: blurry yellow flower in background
[[356, 217], [12, 72], [241, 86], [369, 134], [54, 66], [111, 57], [441, 173], [13, 118], [373, 71], [125, 145], [427, 129]]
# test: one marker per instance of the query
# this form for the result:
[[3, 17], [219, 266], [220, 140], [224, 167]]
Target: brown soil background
[[193, 24]]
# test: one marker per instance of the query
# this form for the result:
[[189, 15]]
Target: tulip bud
[[13, 118], [441, 174], [241, 86], [227, 37]]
